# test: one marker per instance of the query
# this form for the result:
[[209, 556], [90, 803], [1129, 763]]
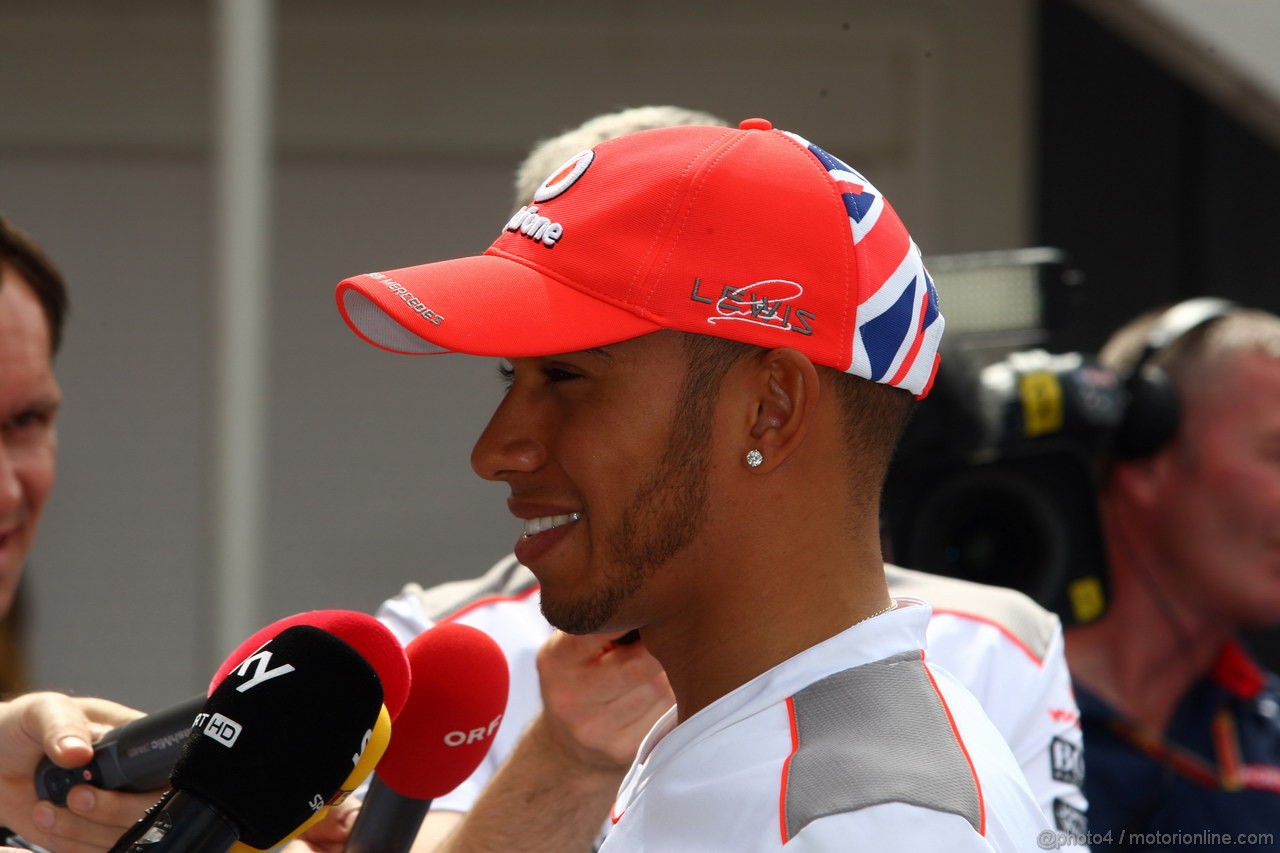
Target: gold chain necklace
[[893, 605]]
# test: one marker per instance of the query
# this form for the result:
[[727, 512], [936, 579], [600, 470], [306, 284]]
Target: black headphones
[[1151, 414]]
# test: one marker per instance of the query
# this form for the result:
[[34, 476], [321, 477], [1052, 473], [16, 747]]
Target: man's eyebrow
[[44, 404], [603, 352]]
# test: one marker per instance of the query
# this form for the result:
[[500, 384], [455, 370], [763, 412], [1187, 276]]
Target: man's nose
[[509, 444], [10, 484]]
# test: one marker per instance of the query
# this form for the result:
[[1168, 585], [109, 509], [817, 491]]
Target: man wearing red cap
[[714, 338]]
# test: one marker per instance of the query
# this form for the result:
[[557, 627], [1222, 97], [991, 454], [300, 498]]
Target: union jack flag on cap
[[899, 325]]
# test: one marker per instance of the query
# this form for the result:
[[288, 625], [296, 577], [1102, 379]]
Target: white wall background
[[398, 126]]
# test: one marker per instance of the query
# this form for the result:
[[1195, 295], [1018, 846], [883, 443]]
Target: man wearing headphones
[[1182, 726]]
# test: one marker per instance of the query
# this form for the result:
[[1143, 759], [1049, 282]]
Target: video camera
[[995, 480]]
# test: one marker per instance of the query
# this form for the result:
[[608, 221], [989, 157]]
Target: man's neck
[[1150, 648], [769, 617]]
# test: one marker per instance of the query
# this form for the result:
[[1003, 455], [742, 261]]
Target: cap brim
[[484, 305]]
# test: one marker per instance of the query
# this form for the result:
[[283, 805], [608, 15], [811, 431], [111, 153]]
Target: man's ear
[[783, 393], [1142, 480]]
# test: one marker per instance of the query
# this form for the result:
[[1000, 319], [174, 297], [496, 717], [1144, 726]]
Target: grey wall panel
[[399, 124], [116, 577]]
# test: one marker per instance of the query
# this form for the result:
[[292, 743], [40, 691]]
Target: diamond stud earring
[[754, 458]]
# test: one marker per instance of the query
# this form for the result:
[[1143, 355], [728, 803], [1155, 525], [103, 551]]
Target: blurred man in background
[[33, 306], [1182, 726]]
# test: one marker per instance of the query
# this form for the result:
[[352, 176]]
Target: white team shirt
[[1008, 652], [1003, 647], [771, 763]]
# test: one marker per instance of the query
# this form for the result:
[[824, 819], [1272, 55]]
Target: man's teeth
[[534, 526]]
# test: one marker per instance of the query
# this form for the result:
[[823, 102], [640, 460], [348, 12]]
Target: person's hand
[[600, 698], [552, 793], [330, 834], [63, 728]]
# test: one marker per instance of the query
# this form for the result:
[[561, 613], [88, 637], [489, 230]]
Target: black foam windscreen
[[281, 733]]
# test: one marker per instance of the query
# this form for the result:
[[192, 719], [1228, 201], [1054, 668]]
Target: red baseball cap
[[751, 234]]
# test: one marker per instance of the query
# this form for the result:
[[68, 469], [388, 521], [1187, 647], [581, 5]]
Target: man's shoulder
[[878, 733], [1015, 614], [504, 602]]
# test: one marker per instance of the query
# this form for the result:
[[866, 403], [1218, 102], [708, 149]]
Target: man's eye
[[551, 373], [559, 374], [29, 420]]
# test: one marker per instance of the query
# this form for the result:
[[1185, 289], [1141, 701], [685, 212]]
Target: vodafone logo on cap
[[564, 177]]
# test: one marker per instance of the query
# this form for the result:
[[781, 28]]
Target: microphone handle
[[388, 822], [184, 824], [137, 756]]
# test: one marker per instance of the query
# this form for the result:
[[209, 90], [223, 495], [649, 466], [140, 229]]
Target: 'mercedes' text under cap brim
[[484, 305]]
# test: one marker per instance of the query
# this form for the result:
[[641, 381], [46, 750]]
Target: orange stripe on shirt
[[982, 803], [786, 768], [487, 600], [1012, 637]]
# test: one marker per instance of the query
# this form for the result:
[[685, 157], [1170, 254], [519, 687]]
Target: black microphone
[[457, 697], [137, 756], [272, 746]]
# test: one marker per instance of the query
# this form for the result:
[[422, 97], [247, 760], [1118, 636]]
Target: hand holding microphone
[[140, 752], [39, 724], [136, 756], [279, 736], [139, 755]]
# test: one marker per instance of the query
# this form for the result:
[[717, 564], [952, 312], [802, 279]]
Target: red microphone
[[460, 683], [373, 640]]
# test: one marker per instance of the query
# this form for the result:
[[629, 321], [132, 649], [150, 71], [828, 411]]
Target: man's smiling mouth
[[534, 526]]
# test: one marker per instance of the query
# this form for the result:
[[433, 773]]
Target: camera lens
[[991, 526]]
